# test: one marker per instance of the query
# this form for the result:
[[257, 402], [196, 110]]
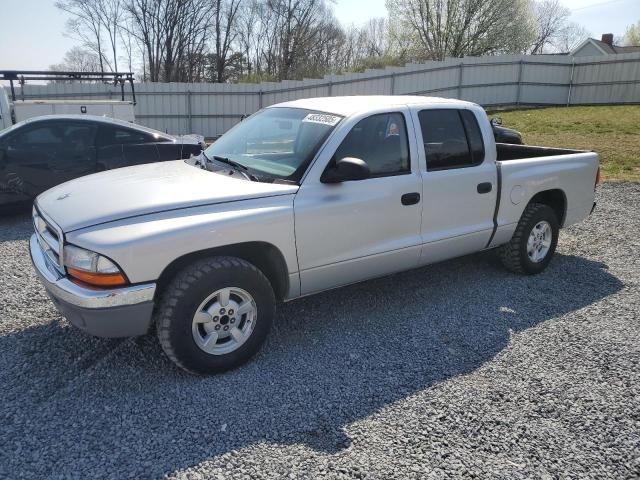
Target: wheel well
[[263, 255], [555, 199]]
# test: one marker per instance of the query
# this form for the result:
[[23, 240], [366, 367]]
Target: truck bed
[[507, 152], [523, 171]]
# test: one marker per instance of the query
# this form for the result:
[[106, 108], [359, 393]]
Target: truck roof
[[349, 105]]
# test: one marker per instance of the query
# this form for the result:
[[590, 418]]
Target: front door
[[351, 231], [459, 183], [47, 154]]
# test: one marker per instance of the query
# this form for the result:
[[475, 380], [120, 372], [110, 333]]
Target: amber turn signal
[[97, 279]]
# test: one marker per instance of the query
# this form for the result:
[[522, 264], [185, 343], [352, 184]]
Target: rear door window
[[110, 135], [126, 136], [451, 138], [80, 136], [474, 135]]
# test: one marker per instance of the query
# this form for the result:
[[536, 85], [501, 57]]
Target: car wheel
[[215, 314], [534, 241]]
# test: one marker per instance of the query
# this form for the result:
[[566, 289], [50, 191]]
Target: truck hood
[[144, 189]]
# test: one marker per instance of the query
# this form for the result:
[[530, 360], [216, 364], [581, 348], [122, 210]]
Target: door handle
[[484, 187], [410, 198]]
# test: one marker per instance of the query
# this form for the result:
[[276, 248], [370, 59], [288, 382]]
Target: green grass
[[611, 131]]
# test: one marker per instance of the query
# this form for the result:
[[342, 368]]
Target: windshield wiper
[[228, 161], [242, 169]]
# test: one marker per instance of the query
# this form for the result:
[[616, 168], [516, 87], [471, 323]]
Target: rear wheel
[[215, 314], [534, 241]]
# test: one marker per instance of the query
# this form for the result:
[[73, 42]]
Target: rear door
[[459, 182], [169, 150], [121, 146]]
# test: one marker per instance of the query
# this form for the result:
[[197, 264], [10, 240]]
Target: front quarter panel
[[144, 246]]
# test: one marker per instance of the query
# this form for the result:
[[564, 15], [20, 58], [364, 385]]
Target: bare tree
[[372, 37], [85, 25], [224, 40], [287, 38], [146, 26], [551, 22], [455, 28], [569, 37], [131, 46], [78, 59], [110, 14], [225, 19], [296, 31], [247, 30], [96, 23], [173, 35]]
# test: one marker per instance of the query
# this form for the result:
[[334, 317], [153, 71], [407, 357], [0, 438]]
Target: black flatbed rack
[[22, 76]]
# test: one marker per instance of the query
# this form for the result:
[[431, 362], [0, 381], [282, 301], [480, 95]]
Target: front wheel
[[534, 241], [215, 314]]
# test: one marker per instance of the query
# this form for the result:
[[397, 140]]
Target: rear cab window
[[451, 139]]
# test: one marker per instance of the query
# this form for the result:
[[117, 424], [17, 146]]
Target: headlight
[[92, 268]]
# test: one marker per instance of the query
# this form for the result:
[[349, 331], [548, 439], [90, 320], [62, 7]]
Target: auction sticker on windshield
[[322, 118]]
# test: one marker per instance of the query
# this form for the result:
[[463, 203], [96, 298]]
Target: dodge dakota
[[301, 197]]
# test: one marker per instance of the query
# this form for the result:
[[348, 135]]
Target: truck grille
[[49, 238]]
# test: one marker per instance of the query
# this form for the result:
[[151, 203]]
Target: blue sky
[[31, 31]]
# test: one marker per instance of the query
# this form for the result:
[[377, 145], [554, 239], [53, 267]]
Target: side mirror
[[496, 121], [346, 169]]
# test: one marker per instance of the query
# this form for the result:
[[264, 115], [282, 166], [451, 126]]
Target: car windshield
[[276, 143]]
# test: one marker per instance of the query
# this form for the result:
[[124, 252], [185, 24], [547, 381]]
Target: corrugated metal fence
[[210, 109]]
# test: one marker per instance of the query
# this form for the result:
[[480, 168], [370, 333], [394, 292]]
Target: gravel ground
[[457, 370]]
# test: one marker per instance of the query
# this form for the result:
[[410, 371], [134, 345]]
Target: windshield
[[276, 143]]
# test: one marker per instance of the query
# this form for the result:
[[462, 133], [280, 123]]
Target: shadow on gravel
[[75, 405]]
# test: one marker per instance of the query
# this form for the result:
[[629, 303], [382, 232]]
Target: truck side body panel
[[109, 108], [573, 174]]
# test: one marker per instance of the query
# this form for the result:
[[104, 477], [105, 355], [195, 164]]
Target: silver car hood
[[143, 189]]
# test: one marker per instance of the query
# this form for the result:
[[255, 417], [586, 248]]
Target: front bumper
[[117, 312]]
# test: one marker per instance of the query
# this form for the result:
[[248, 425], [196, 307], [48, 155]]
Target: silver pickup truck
[[301, 197]]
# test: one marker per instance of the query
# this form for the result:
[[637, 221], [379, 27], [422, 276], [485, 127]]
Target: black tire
[[514, 254], [188, 289]]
